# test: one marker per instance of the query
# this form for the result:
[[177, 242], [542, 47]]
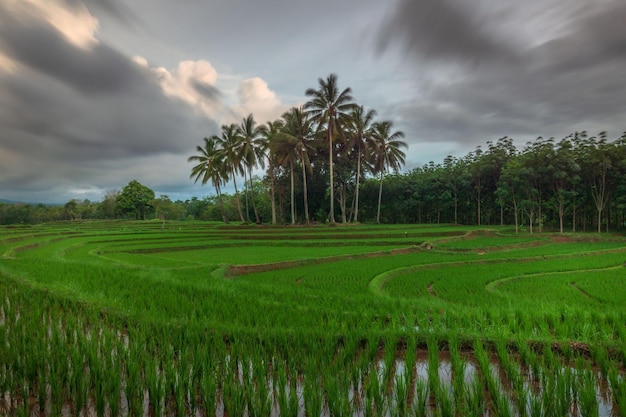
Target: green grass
[[322, 299]]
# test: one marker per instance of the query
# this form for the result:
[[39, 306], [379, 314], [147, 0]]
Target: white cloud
[[7, 64], [192, 82], [196, 83], [76, 24], [254, 96]]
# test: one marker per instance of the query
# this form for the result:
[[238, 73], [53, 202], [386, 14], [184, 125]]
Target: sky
[[96, 93]]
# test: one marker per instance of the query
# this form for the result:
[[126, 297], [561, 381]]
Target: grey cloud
[[206, 90], [94, 71], [81, 118], [571, 82], [116, 9], [440, 29], [594, 39]]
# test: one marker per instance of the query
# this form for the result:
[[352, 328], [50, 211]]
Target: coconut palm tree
[[329, 108], [210, 167], [294, 143], [359, 134], [250, 151], [387, 153], [270, 136], [229, 142]]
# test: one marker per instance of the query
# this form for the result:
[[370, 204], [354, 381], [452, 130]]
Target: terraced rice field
[[127, 319]]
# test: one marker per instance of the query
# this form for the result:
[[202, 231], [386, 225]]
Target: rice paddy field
[[201, 319]]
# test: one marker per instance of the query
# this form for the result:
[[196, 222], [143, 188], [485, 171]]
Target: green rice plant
[[389, 363], [535, 407], [258, 394], [401, 397], [587, 400], [281, 389], [458, 366], [208, 390], [42, 394], [600, 356], [336, 393], [618, 389], [421, 402], [313, 397], [233, 397], [433, 364], [375, 397], [475, 399], [445, 401], [293, 405], [155, 382], [134, 387]]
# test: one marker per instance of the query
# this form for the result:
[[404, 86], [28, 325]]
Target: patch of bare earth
[[235, 270]]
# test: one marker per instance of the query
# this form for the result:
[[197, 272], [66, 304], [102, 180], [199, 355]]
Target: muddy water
[[420, 374]]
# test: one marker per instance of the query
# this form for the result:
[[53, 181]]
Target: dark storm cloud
[[596, 39], [572, 81], [113, 8], [97, 70], [440, 29], [72, 116]]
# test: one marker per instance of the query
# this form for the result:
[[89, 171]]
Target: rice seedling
[[618, 388], [128, 316], [313, 395]]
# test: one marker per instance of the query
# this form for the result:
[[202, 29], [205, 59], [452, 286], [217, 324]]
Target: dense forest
[[331, 161]]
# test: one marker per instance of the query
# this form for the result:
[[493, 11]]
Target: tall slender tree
[[210, 166], [330, 109], [268, 140], [359, 134], [229, 143], [251, 152], [388, 153], [295, 138]]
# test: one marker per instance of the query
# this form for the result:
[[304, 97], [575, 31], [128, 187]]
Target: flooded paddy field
[[126, 319]]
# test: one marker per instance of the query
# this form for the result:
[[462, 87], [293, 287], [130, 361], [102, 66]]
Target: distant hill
[[5, 201]]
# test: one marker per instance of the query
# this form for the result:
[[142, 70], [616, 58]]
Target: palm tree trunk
[[380, 195], [273, 191], [293, 203], [256, 214], [331, 215], [356, 191], [306, 199], [245, 180], [342, 201], [237, 197], [219, 197]]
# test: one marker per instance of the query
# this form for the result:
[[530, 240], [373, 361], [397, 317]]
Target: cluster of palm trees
[[330, 125]]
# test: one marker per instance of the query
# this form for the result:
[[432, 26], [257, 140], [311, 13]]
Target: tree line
[[329, 159], [577, 183]]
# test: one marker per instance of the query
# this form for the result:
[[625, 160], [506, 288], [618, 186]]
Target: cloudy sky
[[95, 93]]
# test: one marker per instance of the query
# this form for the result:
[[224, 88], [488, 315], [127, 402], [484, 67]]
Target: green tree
[[294, 143], [359, 134], [210, 166], [330, 109], [108, 206], [164, 209], [229, 143], [269, 138], [388, 153], [135, 200], [564, 174], [71, 210], [250, 151]]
